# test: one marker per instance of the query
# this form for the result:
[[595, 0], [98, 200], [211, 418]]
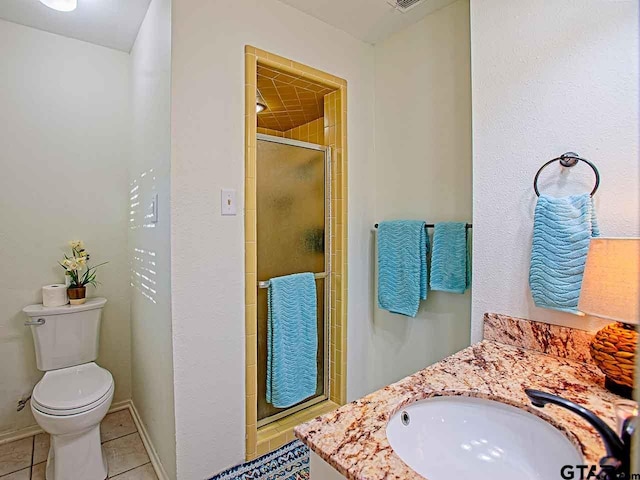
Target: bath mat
[[290, 462]]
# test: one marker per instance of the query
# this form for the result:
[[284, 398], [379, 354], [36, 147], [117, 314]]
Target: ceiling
[[368, 20], [291, 101], [115, 23], [110, 23]]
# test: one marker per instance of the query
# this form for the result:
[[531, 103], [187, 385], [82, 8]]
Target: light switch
[[154, 208], [228, 202]]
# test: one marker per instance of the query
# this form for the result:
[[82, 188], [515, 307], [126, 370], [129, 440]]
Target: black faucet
[[617, 464]]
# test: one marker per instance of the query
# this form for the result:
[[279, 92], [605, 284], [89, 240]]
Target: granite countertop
[[352, 439]]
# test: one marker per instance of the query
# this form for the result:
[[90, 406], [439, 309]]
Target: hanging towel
[[562, 231], [292, 339], [402, 266], [450, 259]]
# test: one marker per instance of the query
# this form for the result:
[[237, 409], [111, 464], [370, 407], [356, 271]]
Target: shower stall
[[293, 235]]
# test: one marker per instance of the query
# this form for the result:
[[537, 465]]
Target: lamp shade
[[611, 281]]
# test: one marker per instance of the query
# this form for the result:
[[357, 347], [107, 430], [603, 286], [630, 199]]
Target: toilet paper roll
[[54, 295]]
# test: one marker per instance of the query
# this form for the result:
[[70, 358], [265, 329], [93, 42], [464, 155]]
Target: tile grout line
[[126, 471], [122, 436], [33, 454]]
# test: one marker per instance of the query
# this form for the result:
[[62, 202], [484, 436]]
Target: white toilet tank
[[65, 336]]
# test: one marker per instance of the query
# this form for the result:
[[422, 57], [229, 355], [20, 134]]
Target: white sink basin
[[464, 437]]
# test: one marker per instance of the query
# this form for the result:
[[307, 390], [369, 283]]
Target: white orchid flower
[[77, 244]]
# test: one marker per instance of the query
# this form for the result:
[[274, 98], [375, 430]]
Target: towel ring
[[568, 159]]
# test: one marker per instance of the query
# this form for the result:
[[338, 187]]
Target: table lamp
[[611, 289]]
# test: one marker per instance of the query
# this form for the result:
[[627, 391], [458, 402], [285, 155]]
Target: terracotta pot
[[77, 295]]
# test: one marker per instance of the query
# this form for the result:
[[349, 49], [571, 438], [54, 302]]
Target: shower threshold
[[280, 432], [292, 410]]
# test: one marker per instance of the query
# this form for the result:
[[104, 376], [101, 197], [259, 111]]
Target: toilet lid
[[73, 387]]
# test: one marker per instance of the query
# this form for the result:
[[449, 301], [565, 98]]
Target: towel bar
[[265, 283], [431, 225]]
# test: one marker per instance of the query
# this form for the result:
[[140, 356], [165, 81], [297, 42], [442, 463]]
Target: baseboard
[[7, 437], [14, 435], [146, 440], [122, 405]]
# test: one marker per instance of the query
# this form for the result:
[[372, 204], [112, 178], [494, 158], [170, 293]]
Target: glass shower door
[[292, 219]]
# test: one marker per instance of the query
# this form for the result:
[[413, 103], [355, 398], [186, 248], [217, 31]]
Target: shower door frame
[[327, 271], [259, 441]]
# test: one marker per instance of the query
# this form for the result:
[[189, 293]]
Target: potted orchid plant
[[79, 272]]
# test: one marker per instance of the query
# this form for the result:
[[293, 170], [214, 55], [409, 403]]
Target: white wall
[[207, 249], [64, 136], [149, 243], [423, 171], [548, 77]]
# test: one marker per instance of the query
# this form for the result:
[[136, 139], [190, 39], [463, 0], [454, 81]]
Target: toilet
[[75, 393]]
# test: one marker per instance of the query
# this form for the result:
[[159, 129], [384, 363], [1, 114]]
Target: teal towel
[[402, 266], [450, 258], [292, 339], [562, 231]]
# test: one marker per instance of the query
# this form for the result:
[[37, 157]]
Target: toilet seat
[[72, 390]]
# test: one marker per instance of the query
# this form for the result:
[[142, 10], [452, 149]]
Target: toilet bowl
[[69, 404]]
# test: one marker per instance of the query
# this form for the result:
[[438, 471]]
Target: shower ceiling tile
[[291, 100]]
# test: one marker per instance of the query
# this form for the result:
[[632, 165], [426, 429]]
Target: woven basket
[[613, 349]]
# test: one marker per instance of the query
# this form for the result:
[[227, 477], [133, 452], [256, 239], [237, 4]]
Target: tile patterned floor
[[127, 458]]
